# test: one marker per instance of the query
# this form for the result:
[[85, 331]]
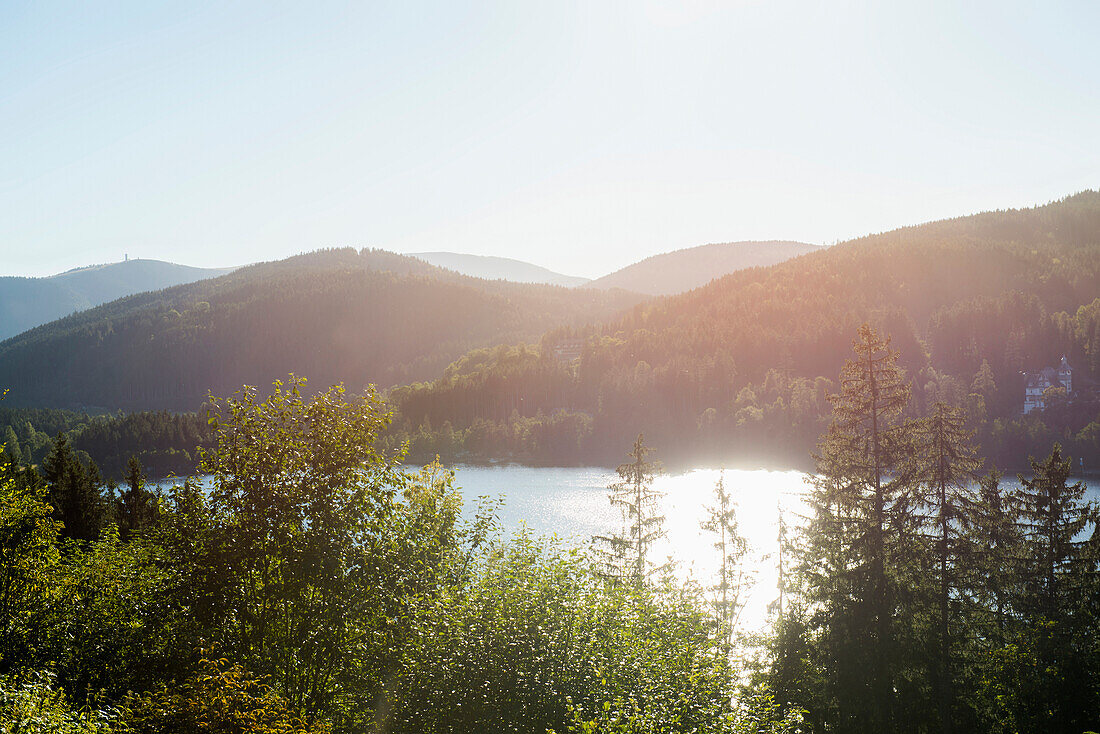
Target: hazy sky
[[580, 136]]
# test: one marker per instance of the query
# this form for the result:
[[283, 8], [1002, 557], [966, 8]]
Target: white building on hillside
[[1036, 383]]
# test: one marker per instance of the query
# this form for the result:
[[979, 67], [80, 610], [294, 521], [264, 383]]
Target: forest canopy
[[738, 371]]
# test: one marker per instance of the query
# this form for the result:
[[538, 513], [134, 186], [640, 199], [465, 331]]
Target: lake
[[573, 504]]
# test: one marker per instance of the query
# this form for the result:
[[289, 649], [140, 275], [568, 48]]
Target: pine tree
[[625, 556], [1059, 592], [732, 547], [75, 491], [945, 464], [863, 514], [137, 506]]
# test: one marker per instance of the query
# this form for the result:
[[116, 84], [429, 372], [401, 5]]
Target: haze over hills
[[498, 268], [29, 302], [745, 360], [660, 275], [333, 316], [682, 270], [741, 366]]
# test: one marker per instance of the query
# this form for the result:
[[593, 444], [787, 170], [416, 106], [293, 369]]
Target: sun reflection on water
[[573, 503]]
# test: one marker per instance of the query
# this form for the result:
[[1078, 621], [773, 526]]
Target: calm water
[[573, 504]]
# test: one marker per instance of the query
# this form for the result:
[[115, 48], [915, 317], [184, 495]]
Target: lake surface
[[573, 504]]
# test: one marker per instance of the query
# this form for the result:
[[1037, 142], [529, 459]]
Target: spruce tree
[[625, 556], [945, 465], [137, 505], [1059, 594], [863, 513], [9, 444], [989, 575], [992, 558], [733, 581], [75, 491]]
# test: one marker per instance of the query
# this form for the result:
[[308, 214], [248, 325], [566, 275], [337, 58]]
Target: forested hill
[[29, 302], [676, 272], [498, 268], [335, 316], [741, 366]]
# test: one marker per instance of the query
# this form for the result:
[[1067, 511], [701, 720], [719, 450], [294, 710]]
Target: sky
[[580, 136]]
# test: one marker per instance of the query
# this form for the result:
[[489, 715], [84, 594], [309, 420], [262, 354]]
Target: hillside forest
[[734, 373], [313, 585], [357, 317], [737, 372]]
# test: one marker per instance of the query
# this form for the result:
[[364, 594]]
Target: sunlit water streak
[[572, 502]]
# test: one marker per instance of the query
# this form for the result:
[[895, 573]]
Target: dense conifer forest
[[738, 371], [165, 443], [733, 373], [339, 315]]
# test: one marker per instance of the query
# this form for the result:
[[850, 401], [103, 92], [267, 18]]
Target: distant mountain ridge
[[333, 315], [741, 368], [29, 302], [683, 270], [498, 268]]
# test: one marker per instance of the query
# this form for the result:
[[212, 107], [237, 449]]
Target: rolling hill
[[29, 302], [742, 366], [333, 316], [498, 268], [676, 272]]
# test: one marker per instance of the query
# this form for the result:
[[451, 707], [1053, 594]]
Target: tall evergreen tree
[[785, 547], [993, 558], [988, 574], [733, 580], [625, 556], [863, 512], [75, 491], [945, 465], [1059, 595], [137, 505], [9, 444]]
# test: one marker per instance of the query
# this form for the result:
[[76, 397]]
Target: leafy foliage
[[312, 585], [33, 704], [219, 697]]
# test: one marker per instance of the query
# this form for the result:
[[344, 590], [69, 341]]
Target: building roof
[[1049, 375]]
